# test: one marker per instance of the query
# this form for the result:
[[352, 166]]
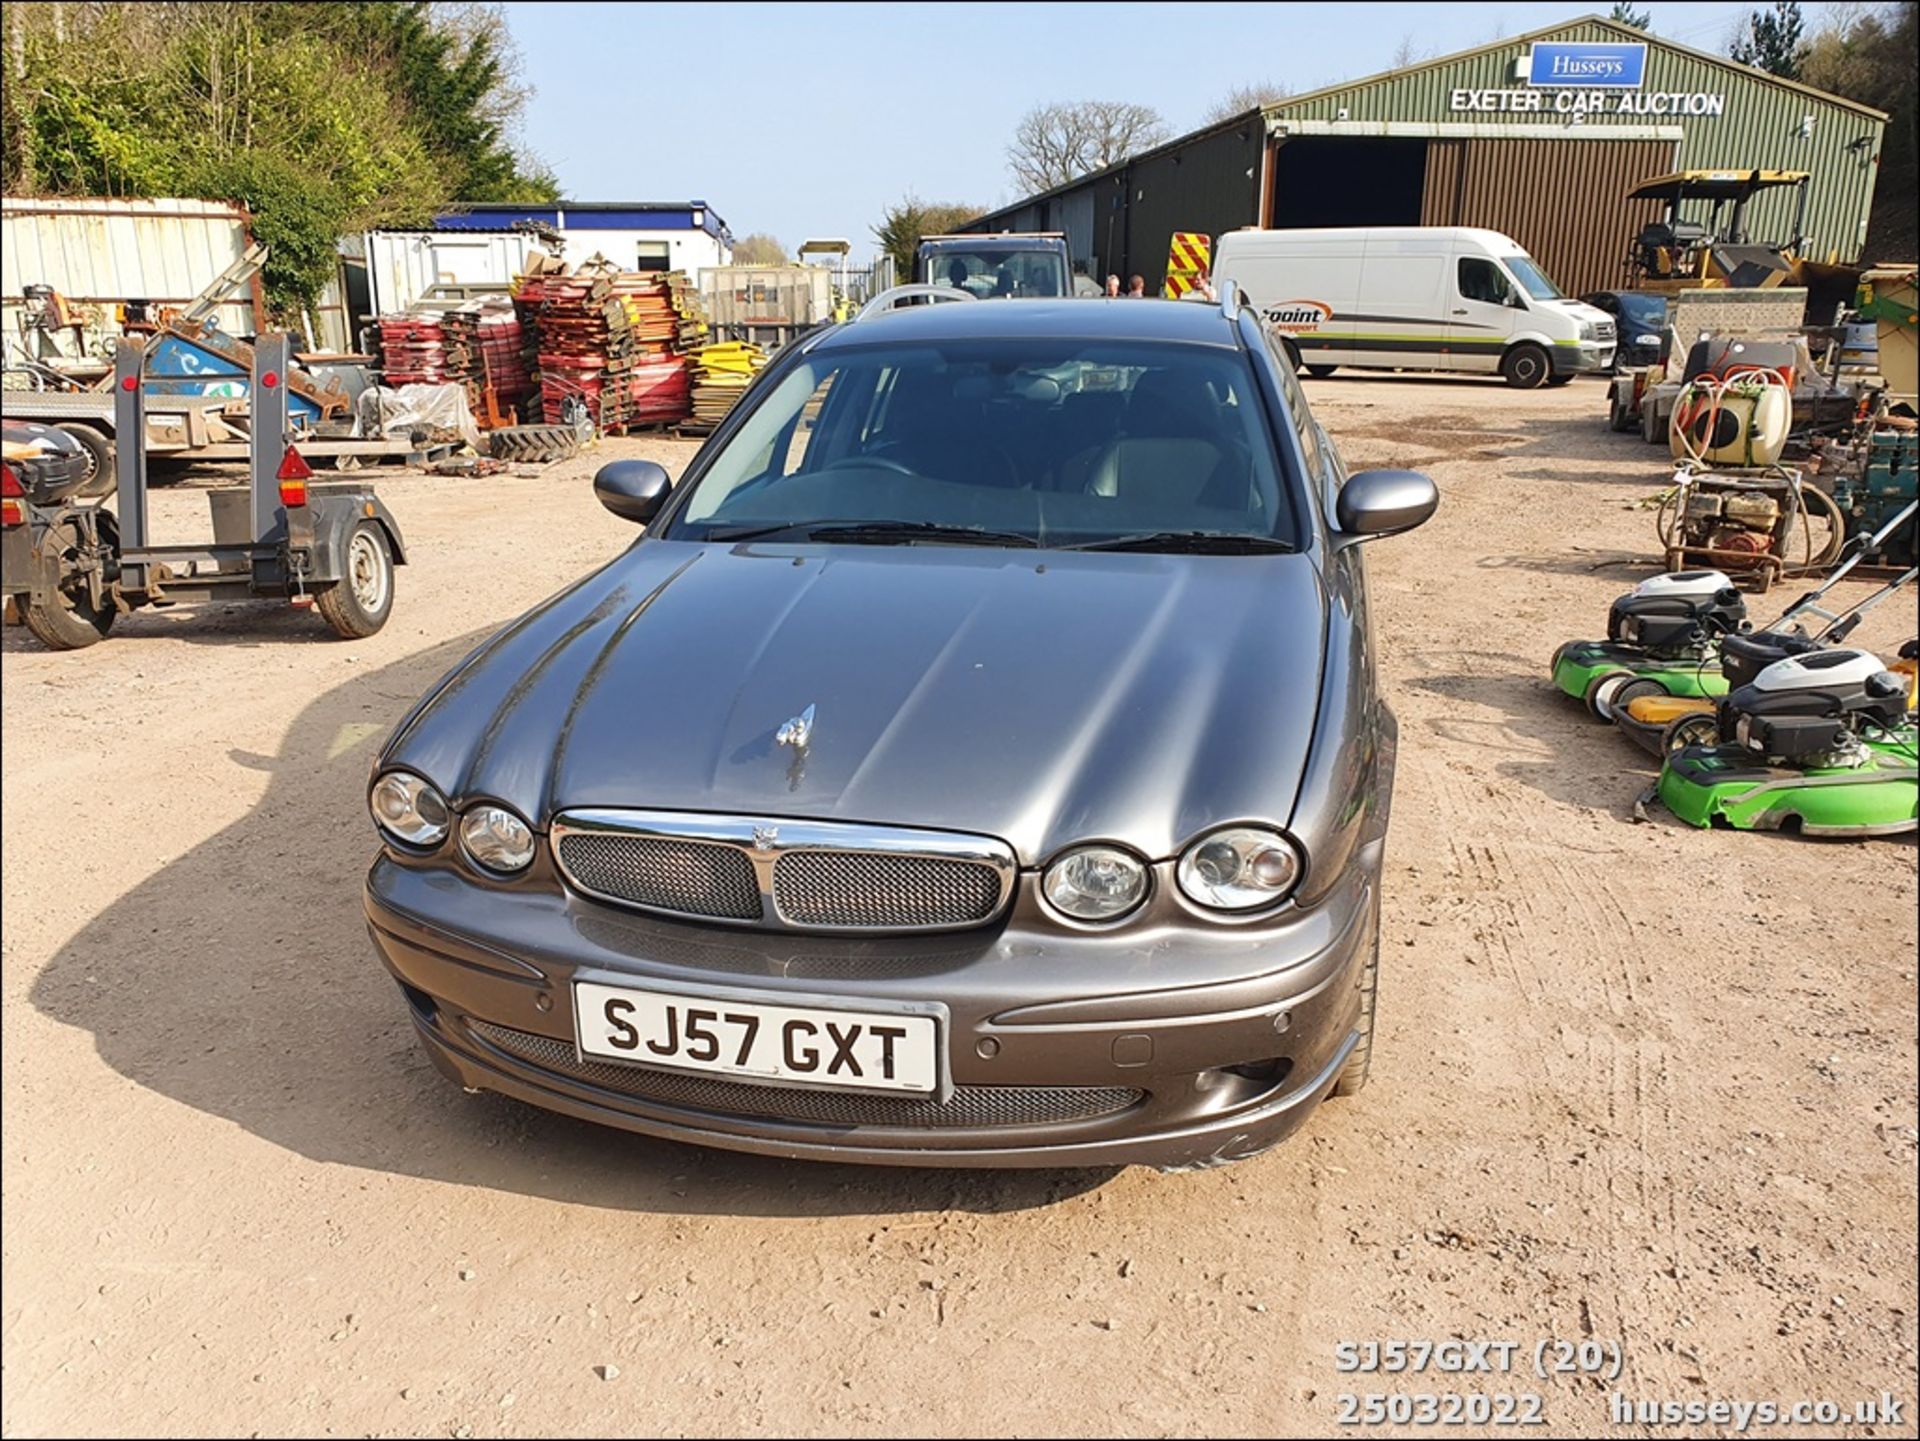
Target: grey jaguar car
[[978, 761]]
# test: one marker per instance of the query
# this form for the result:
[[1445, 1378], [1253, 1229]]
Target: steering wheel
[[870, 462]]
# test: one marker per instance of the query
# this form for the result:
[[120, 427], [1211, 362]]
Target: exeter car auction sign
[[1578, 79]]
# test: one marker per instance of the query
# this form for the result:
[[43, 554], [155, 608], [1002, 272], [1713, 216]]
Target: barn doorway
[[1346, 180]]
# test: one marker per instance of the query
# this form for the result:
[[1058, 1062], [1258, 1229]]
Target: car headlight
[[496, 838], [1095, 883], [1646, 340], [1239, 868], [409, 809]]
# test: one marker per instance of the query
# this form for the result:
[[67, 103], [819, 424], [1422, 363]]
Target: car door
[[1484, 312]]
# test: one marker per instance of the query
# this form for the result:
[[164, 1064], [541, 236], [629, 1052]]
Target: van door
[[1484, 310], [1399, 318], [1302, 284]]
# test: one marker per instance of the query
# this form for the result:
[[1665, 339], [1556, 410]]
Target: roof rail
[[1232, 301], [887, 299]]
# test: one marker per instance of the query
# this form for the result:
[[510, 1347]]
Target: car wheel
[[101, 477], [1322, 372], [359, 603], [1525, 367], [67, 620], [1353, 1075]]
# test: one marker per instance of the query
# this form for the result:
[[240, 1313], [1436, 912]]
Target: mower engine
[[1736, 524], [1677, 616], [1810, 710]]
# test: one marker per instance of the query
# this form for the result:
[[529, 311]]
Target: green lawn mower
[[1821, 743], [1663, 638]]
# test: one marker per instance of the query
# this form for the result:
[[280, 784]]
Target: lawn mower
[[1666, 632], [1659, 720], [1821, 743]]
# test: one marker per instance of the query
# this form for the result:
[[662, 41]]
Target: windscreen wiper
[[1193, 542], [905, 532]]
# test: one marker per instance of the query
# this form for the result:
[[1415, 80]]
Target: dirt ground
[[1635, 1084]]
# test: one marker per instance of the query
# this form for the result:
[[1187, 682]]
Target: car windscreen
[[1532, 278], [1642, 313], [988, 272], [1039, 441]]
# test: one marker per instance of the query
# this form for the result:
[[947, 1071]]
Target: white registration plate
[[801, 1045]]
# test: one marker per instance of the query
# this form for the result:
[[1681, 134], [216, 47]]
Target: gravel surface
[[1634, 1083]]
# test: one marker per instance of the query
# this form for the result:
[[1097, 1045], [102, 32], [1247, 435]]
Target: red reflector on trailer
[[293, 493], [132, 382], [270, 379], [11, 514], [293, 466]]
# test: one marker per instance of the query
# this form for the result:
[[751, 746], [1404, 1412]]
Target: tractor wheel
[[1526, 366], [533, 444], [359, 603], [1614, 704], [1690, 730], [1353, 1075], [67, 620], [101, 478]]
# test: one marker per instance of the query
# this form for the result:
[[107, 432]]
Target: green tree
[[900, 230], [759, 249], [1623, 13], [1873, 56], [1772, 40]]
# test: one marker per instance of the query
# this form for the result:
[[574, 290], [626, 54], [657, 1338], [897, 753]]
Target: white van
[[1443, 298]]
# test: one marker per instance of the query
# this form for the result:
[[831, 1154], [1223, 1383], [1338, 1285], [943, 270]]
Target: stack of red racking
[[413, 350], [487, 349], [609, 341]]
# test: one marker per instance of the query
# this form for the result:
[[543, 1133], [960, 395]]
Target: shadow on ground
[[239, 980]]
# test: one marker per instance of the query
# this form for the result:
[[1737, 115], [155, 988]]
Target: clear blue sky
[[809, 119]]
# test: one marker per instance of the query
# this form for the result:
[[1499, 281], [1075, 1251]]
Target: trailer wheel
[[67, 620], [101, 477], [533, 444], [1619, 418], [1525, 367], [358, 604]]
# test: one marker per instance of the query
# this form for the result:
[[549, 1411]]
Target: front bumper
[[1175, 1047], [1582, 359]]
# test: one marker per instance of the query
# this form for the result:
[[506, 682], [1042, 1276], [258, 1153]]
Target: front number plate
[[797, 1045]]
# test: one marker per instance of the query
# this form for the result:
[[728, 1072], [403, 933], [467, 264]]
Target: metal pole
[[130, 454], [269, 439]]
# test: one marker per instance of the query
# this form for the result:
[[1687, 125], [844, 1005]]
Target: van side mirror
[[1383, 502], [632, 489]]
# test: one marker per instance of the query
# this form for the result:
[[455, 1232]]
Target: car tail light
[[293, 475], [12, 513]]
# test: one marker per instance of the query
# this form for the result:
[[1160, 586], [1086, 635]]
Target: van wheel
[[1566, 379], [1525, 367], [1321, 372], [1293, 352]]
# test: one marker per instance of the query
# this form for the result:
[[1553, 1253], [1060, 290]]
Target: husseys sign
[[1578, 79]]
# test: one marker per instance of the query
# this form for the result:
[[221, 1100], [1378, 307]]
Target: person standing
[[1113, 287], [1136, 287]]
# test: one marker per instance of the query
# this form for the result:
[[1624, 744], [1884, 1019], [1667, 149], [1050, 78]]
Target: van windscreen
[[1532, 278]]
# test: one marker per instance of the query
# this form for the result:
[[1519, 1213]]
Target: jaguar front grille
[[798, 875]]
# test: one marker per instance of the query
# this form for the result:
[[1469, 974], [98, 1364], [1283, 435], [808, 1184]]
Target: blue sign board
[[1569, 64]]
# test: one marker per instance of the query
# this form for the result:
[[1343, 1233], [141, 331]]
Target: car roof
[[1186, 322]]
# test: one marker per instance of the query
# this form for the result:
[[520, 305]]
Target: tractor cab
[[1701, 238]]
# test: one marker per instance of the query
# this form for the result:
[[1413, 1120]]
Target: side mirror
[[632, 489], [1383, 502]]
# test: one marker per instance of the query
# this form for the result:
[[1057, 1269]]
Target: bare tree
[[1056, 144], [759, 249], [1406, 53], [1242, 98]]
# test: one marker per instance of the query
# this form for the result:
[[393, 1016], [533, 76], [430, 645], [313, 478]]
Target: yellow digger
[[1700, 240]]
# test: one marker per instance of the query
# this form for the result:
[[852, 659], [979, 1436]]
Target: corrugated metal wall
[[1520, 187], [1211, 186], [1764, 126], [105, 251]]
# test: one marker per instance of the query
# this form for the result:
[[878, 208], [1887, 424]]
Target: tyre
[[1653, 430], [101, 478], [1293, 352], [1600, 692], [1690, 730], [67, 620], [1624, 695], [359, 603], [1619, 418], [1322, 372], [1353, 1075], [1556, 380], [1525, 367], [533, 444]]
